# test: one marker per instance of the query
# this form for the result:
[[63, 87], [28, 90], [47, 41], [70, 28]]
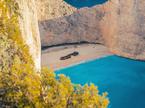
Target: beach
[[51, 56]]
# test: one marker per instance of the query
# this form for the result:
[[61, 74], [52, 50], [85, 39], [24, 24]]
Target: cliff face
[[120, 25], [123, 27], [29, 29], [50, 9], [60, 23], [82, 25]]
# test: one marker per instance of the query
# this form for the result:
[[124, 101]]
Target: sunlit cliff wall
[[29, 29], [123, 27], [118, 24]]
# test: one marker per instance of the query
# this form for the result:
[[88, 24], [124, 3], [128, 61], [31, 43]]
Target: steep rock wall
[[118, 24], [123, 27], [61, 23], [29, 29], [82, 25], [50, 9]]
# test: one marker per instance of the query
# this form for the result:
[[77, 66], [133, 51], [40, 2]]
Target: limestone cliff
[[50, 9], [123, 27], [29, 29], [118, 24], [61, 23], [81, 26]]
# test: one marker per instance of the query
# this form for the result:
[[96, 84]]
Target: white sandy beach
[[51, 57]]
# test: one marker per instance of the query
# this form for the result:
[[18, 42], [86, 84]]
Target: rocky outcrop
[[81, 26], [123, 27], [50, 9], [120, 25], [29, 29]]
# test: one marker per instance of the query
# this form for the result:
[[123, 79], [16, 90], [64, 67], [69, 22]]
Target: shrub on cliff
[[22, 87]]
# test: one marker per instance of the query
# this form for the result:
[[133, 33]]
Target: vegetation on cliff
[[22, 87]]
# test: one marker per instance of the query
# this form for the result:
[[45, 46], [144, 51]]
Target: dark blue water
[[84, 3], [122, 78]]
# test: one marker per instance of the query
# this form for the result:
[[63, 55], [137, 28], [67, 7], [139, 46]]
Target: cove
[[122, 78], [84, 3]]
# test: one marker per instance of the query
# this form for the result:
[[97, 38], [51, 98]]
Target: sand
[[51, 56]]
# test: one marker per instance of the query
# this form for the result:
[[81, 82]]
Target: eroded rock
[[29, 29], [118, 24], [81, 26], [123, 28], [50, 9]]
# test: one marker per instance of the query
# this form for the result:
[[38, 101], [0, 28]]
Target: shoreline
[[51, 57], [81, 62]]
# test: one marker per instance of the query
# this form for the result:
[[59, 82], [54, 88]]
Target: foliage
[[61, 93], [22, 87], [9, 27]]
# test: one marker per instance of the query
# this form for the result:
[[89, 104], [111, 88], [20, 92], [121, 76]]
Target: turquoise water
[[122, 78], [84, 3]]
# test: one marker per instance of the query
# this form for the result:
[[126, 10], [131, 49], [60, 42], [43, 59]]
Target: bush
[[22, 87]]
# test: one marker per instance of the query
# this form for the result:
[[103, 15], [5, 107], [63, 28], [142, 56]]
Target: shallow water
[[122, 78], [84, 3]]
